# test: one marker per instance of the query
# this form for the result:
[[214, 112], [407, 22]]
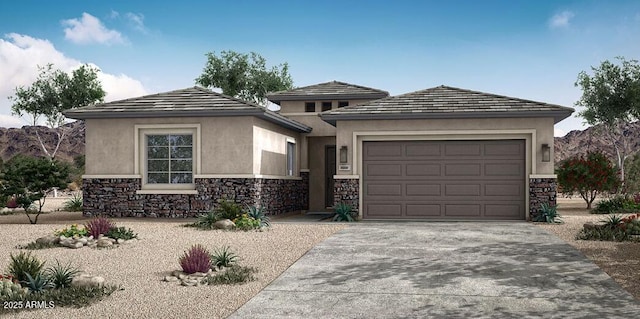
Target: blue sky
[[526, 49]]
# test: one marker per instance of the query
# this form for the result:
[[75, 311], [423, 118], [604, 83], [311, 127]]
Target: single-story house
[[442, 153]]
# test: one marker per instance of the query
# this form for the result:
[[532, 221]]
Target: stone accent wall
[[541, 190], [116, 197], [347, 191]]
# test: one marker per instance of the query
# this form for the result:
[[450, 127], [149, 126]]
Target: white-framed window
[[168, 156], [291, 157]]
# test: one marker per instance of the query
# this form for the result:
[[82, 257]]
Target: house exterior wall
[[227, 144], [535, 131], [240, 158]]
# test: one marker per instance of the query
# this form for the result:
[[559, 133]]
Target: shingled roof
[[333, 90], [447, 102], [194, 101]]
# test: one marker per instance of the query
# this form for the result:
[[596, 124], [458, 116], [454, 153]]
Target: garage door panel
[[504, 169], [462, 149], [423, 150], [444, 180], [384, 189], [463, 190], [514, 150], [462, 210], [423, 169], [423, 210], [384, 210], [423, 190], [463, 169], [384, 170]]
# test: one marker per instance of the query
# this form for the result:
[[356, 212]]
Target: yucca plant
[[196, 259], [206, 221], [74, 204], [99, 226], [223, 257], [228, 210], [38, 283], [257, 213], [612, 221], [23, 265], [61, 275], [343, 213]]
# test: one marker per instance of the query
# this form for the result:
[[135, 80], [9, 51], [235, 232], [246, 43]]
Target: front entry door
[[329, 171]]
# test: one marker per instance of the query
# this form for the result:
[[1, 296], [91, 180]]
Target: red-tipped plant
[[196, 259], [99, 226]]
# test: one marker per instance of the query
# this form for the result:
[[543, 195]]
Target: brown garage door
[[444, 180]]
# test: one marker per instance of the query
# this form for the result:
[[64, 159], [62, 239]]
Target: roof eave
[[333, 118], [260, 113]]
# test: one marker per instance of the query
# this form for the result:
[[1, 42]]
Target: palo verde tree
[[53, 92], [244, 76], [29, 179], [588, 175], [611, 97]]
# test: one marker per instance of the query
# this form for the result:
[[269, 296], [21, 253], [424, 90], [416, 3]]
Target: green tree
[[244, 76], [611, 97], [29, 179], [588, 175], [52, 93]]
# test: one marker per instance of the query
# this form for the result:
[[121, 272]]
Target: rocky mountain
[[580, 142], [24, 141]]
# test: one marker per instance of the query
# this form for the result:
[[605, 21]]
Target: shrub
[[61, 275], [36, 246], [121, 233], [343, 213], [206, 221], [72, 231], [223, 257], [24, 264], [257, 213], [11, 203], [11, 288], [197, 259], [244, 222], [588, 175], [73, 204], [66, 297], [234, 275], [228, 210], [548, 214], [99, 226], [617, 204]]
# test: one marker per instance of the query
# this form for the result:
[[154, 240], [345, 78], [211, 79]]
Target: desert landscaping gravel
[[139, 267]]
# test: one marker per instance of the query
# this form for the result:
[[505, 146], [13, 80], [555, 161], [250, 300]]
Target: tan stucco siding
[[226, 144], [270, 149], [538, 130]]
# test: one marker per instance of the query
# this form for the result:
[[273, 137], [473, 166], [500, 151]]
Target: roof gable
[[333, 90], [448, 102], [194, 101]]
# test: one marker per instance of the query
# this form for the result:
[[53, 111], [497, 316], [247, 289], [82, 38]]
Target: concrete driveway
[[442, 270]]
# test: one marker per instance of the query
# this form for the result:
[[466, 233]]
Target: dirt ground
[[621, 260]]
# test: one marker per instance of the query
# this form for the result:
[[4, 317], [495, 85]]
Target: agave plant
[[343, 213], [550, 213], [257, 213], [223, 257], [61, 275], [38, 283], [612, 221], [206, 221]]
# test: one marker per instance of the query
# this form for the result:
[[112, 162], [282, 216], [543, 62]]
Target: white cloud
[[114, 14], [137, 20], [559, 132], [88, 29], [561, 20], [20, 56]]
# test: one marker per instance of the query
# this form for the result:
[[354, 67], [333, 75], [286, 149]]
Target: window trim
[[307, 106], [290, 171], [324, 104], [140, 156], [343, 104]]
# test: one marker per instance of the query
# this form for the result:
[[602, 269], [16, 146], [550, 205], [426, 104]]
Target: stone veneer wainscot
[[541, 190], [116, 197], [347, 191]]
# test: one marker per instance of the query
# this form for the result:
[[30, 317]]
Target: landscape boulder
[[224, 224]]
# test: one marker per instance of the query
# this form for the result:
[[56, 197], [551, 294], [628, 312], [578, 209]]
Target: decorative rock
[[120, 241], [189, 283], [77, 245], [590, 226], [177, 273], [182, 276], [50, 239], [170, 278], [83, 240], [86, 280], [104, 242], [198, 274], [224, 224]]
